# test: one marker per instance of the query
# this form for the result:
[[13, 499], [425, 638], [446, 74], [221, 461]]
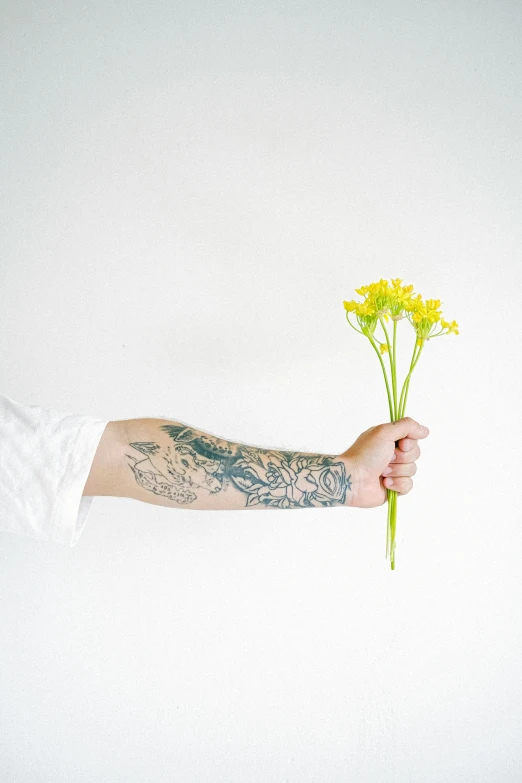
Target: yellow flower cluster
[[383, 300]]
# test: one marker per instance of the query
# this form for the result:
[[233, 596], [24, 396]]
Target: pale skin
[[169, 463]]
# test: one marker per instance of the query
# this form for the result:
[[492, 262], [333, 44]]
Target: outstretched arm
[[172, 464], [169, 463]]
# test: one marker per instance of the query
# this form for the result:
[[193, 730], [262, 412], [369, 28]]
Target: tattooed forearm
[[194, 469]]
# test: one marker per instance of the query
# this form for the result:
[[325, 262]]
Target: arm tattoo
[[186, 464]]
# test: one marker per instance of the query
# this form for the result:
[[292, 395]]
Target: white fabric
[[45, 459]]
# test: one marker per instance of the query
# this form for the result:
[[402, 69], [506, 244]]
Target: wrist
[[349, 479]]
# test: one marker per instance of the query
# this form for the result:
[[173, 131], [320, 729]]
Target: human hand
[[382, 458]]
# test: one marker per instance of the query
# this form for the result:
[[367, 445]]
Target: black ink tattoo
[[185, 463]]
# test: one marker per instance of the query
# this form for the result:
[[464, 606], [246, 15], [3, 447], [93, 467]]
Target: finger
[[402, 428], [403, 469], [400, 485], [405, 444], [406, 456]]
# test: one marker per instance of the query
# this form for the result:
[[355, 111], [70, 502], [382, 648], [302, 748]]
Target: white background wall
[[189, 191]]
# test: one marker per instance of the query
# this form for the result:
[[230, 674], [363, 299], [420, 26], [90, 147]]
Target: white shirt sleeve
[[45, 459]]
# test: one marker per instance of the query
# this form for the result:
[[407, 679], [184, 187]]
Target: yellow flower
[[365, 308], [350, 306], [379, 289], [384, 348], [362, 291], [451, 327]]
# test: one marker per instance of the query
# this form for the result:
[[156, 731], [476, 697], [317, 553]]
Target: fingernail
[[387, 471], [394, 456], [389, 482]]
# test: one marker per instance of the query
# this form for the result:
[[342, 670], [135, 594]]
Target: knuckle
[[405, 485]]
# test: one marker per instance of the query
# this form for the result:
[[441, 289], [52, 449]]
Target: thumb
[[403, 428]]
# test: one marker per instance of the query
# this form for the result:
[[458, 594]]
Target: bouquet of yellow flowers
[[383, 301]]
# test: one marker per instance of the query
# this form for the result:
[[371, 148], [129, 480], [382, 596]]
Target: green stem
[[391, 526], [406, 396], [393, 530], [394, 408], [353, 327], [406, 386], [384, 373], [416, 353], [395, 369], [388, 525], [406, 380]]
